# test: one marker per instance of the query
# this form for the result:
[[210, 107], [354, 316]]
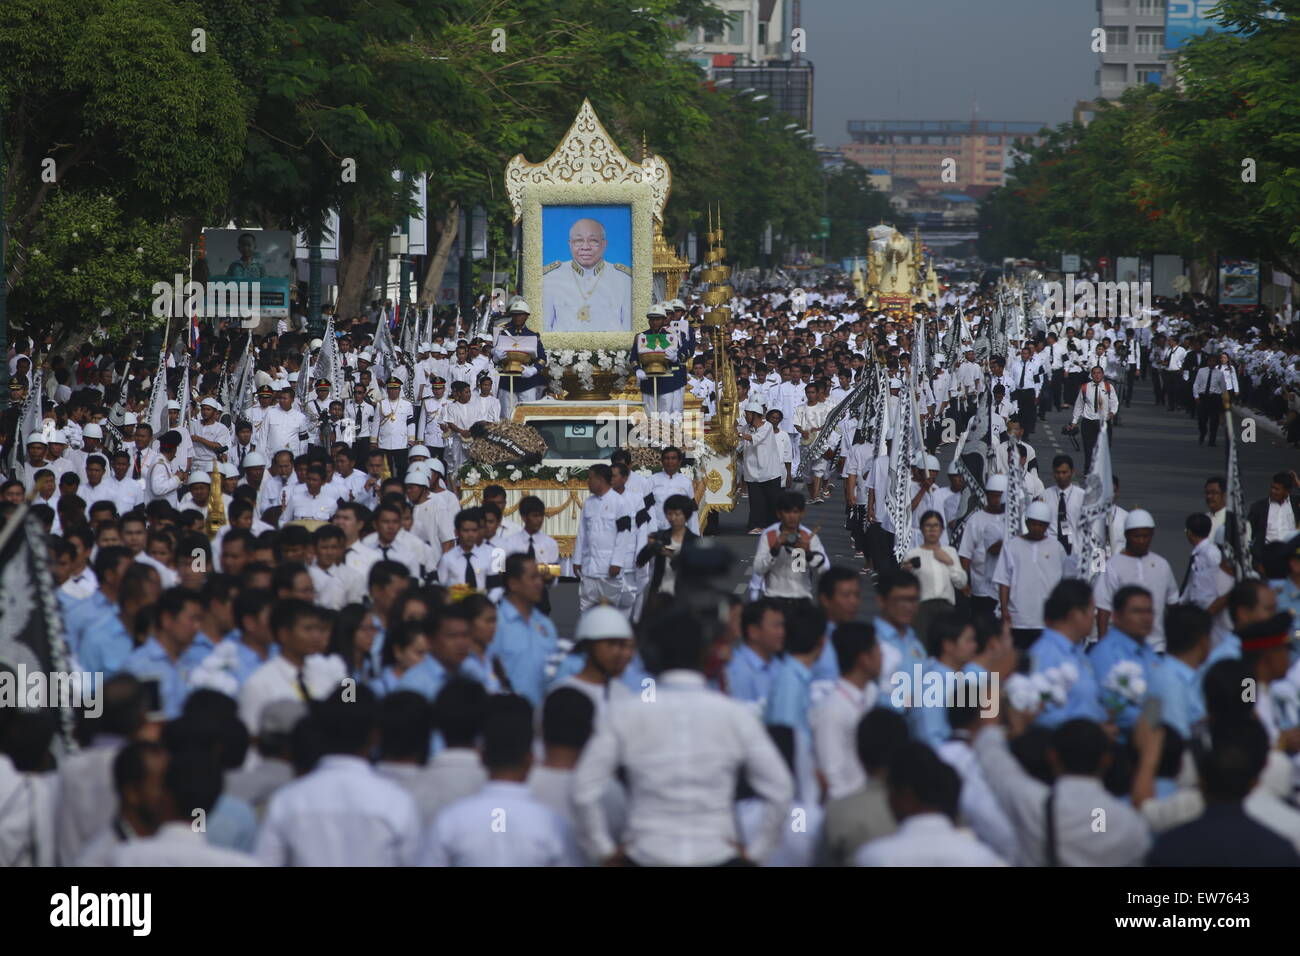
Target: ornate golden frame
[[588, 168]]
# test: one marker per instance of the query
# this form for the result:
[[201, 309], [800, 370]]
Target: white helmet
[[603, 623], [418, 451], [519, 305], [1139, 518], [656, 312], [996, 483], [931, 463], [92, 430], [1038, 511], [254, 459], [417, 475], [200, 477]]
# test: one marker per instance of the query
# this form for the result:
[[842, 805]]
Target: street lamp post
[[4, 319], [315, 327]]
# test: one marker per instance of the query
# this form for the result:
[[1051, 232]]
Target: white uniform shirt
[[1030, 569], [681, 794], [1149, 571], [343, 813], [394, 424], [600, 543], [927, 839], [577, 299], [469, 832], [177, 844], [834, 723]]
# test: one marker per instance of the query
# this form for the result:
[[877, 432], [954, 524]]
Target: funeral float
[[899, 273], [593, 259]]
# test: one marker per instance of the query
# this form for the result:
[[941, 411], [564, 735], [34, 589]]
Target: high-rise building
[[1135, 46], [949, 155]]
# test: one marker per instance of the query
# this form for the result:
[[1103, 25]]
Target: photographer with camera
[[789, 556], [1097, 402]]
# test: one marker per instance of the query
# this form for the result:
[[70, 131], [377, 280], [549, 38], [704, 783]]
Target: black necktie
[[358, 419], [1061, 520], [1023, 368], [531, 552], [470, 577], [1187, 574], [385, 548], [302, 687], [138, 454], [1096, 399]]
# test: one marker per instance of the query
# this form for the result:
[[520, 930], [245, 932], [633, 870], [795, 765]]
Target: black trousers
[[985, 607], [1058, 389], [1158, 385], [762, 502], [1073, 382], [397, 461], [1173, 389], [1024, 637], [880, 547], [1024, 399], [1089, 430], [1045, 400], [1209, 409]]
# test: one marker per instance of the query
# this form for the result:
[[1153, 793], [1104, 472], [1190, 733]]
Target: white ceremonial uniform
[[361, 416], [162, 481], [602, 544], [1202, 588], [1073, 495], [282, 430], [575, 299], [663, 486], [343, 813], [394, 425], [431, 416], [453, 564], [546, 550], [464, 833]]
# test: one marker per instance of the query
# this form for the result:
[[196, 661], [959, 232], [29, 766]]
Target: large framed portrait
[[588, 215], [587, 270]]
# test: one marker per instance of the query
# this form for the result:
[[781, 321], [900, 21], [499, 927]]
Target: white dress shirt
[[927, 839], [938, 580], [600, 543], [682, 755], [1202, 583], [343, 813], [1095, 402], [761, 457], [789, 573], [452, 565], [501, 825], [1281, 522], [834, 722], [177, 844]]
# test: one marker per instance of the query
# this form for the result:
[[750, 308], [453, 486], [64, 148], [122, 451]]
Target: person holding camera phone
[[665, 547]]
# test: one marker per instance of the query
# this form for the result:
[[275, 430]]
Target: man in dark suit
[[1225, 835], [1277, 517]]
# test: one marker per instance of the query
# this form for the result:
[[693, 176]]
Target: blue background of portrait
[[557, 220]]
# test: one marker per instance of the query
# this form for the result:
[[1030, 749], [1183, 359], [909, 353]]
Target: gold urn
[[515, 361]]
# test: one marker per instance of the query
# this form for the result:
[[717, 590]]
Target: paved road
[[1154, 453]]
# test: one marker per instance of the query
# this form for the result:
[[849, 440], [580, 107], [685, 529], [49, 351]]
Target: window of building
[[1150, 41], [1151, 74], [993, 167], [736, 29], [1151, 8], [1116, 39]]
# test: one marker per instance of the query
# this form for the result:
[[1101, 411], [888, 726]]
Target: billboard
[[247, 256], [1185, 19], [1238, 283]]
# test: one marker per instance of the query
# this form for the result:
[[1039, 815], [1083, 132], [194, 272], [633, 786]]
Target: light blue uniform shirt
[[827, 666], [427, 677], [196, 653], [1288, 599], [232, 824], [790, 696], [1228, 649], [387, 682], [1052, 649], [749, 677], [149, 660], [929, 724], [79, 615], [105, 645], [523, 645], [1112, 649], [911, 652], [1179, 689]]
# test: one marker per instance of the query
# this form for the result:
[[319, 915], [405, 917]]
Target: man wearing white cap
[[1029, 566], [211, 439], [981, 544], [604, 638], [1136, 564], [761, 466], [198, 495], [658, 391], [516, 336]]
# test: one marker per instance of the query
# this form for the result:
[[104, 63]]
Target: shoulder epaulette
[[622, 268], [554, 265]]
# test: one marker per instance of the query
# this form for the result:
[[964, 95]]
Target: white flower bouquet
[[1051, 686], [1124, 685]]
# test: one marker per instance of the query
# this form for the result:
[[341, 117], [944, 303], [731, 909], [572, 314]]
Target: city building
[[980, 150], [1135, 46], [754, 34]]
